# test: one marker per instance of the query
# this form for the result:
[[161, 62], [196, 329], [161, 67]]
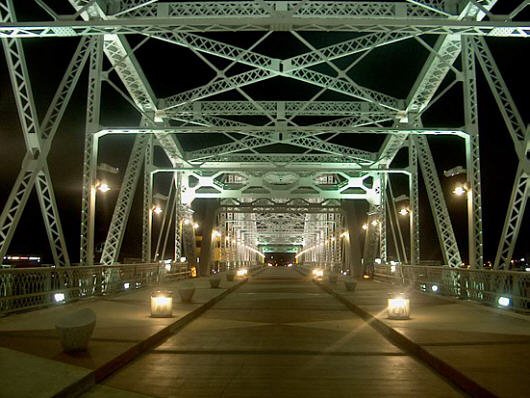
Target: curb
[[452, 374], [97, 375]]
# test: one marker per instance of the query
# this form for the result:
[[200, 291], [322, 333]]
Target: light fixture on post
[[398, 307], [460, 190], [162, 304], [102, 187], [404, 211]]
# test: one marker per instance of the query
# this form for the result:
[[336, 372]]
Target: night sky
[[171, 69]]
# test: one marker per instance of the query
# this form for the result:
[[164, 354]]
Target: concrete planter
[[350, 284], [230, 275], [75, 329], [215, 281], [186, 291], [332, 278]]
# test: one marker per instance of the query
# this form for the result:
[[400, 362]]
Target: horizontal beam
[[249, 130], [285, 108], [147, 26]]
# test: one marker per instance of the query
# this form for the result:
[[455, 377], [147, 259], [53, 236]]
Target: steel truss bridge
[[277, 165]]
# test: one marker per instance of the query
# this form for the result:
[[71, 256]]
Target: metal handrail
[[31, 288], [505, 289]]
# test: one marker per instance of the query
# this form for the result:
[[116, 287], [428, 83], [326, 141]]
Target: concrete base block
[[350, 284], [75, 329], [186, 291], [215, 281]]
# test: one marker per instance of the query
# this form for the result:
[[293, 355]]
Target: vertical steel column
[[88, 201], [382, 220], [474, 194], [178, 217], [147, 219], [414, 203]]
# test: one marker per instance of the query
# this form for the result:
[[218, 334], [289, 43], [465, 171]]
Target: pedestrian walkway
[[279, 335], [485, 350], [33, 364]]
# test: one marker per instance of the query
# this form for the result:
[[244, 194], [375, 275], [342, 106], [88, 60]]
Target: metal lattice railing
[[507, 289], [31, 288]]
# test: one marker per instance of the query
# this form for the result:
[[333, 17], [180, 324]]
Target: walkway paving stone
[[279, 335], [123, 330], [481, 345]]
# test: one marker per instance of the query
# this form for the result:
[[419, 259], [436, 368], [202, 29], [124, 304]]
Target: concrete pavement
[[278, 335]]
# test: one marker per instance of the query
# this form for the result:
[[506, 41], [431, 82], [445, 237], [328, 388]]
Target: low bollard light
[[398, 308], [318, 273], [162, 304]]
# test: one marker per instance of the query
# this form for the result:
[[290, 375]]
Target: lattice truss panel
[[292, 144]]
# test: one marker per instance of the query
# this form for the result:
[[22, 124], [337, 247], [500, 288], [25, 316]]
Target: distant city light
[[504, 301], [126, 285], [365, 226], [374, 223], [435, 288], [157, 210], [195, 225]]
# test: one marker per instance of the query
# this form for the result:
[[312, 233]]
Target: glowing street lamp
[[365, 226], [157, 210], [374, 223], [195, 225], [404, 211], [460, 190], [103, 187]]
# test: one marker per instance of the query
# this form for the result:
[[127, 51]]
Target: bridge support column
[[353, 247], [209, 218]]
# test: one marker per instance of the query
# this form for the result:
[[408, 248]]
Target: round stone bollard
[[332, 278], [350, 284], [75, 329], [230, 275], [215, 281], [186, 291]]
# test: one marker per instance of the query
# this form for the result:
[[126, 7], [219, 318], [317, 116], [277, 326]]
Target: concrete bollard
[[230, 275], [186, 291], [350, 284], [215, 281], [75, 329]]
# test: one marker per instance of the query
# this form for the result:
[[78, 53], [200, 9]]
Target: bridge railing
[[506, 289], [223, 266], [30, 288]]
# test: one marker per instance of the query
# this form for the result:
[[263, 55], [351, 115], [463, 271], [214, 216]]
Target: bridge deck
[[277, 335]]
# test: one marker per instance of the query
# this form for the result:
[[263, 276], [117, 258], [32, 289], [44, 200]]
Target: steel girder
[[197, 184], [521, 139], [199, 109], [88, 198], [147, 212], [112, 246], [38, 138], [347, 23], [474, 197], [442, 220]]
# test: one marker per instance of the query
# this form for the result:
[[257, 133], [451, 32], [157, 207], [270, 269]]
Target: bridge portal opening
[[280, 259]]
